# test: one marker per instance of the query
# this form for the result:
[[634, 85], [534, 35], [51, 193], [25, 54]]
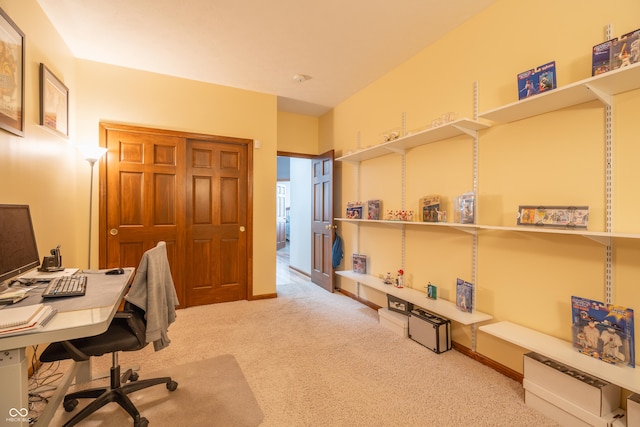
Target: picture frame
[[54, 103], [11, 76]]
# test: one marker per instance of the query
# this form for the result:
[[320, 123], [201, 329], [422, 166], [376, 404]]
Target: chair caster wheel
[[172, 385], [142, 422], [134, 377], [70, 405]]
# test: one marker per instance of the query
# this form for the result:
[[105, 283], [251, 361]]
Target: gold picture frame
[[11, 76], [54, 102]]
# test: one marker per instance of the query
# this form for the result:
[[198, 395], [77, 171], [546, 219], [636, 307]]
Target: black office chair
[[127, 332]]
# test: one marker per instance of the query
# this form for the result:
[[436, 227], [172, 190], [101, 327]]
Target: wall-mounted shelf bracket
[[470, 132], [600, 239], [605, 98]]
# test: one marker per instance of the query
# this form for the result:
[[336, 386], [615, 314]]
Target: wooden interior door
[[217, 211], [144, 181], [322, 221], [193, 194]]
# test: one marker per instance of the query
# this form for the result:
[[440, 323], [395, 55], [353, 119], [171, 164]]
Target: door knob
[[242, 228], [113, 231], [329, 226]]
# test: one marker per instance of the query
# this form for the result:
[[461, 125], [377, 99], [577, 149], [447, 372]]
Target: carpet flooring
[[314, 358], [210, 392]]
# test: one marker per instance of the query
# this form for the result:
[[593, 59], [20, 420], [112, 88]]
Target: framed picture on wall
[[54, 102], [11, 76]]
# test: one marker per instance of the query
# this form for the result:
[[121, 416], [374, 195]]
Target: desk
[[76, 318]]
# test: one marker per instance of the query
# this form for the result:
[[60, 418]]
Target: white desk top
[[74, 320]]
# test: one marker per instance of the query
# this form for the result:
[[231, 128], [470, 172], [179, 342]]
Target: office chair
[[127, 332]]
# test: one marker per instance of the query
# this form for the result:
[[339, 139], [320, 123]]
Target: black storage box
[[430, 330], [399, 305]]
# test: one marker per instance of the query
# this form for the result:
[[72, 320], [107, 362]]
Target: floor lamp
[[91, 154]]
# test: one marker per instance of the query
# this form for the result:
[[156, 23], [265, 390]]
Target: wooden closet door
[[144, 199], [217, 267], [189, 190]]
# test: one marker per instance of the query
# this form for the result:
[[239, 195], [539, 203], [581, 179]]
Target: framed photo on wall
[[11, 76], [54, 102]]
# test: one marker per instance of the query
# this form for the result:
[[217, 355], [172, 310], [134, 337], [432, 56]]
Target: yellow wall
[[556, 158], [46, 172], [116, 94], [297, 133], [42, 169]]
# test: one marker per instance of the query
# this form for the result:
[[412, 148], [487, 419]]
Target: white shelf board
[[590, 89], [564, 352], [469, 228], [427, 136], [598, 236], [439, 306]]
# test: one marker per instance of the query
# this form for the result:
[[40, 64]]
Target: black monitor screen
[[18, 249]]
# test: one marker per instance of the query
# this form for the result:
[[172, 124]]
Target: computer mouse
[[115, 271]]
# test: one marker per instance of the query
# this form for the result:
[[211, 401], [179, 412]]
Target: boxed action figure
[[603, 331], [537, 80], [430, 207], [625, 51], [374, 207], [601, 57], [354, 210]]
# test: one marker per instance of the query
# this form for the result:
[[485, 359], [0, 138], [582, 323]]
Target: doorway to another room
[[293, 225]]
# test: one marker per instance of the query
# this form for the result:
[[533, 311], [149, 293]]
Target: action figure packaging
[[603, 331], [625, 51], [601, 57], [537, 80]]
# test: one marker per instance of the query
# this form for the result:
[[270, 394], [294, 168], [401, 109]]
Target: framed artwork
[[54, 102], [11, 76]]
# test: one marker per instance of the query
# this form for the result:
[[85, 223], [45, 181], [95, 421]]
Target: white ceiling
[[259, 45]]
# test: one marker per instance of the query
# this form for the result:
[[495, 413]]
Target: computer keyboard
[[66, 286]]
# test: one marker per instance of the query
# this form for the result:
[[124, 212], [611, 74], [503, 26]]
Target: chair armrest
[[135, 321]]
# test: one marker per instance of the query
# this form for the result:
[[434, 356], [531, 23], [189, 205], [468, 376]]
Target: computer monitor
[[18, 248]]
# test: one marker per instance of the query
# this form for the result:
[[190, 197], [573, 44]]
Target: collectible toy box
[[603, 331], [537, 80]]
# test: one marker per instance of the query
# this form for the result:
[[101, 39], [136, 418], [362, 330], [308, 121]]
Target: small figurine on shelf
[[387, 279], [400, 279]]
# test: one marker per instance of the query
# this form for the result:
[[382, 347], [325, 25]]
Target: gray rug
[[211, 392]]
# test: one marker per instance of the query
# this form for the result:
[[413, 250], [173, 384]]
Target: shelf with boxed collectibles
[[438, 306], [601, 237], [600, 87]]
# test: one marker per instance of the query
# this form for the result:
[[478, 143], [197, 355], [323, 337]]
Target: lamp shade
[[91, 153]]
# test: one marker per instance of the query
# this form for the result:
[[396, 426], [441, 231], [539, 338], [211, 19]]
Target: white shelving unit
[[603, 88], [563, 352], [438, 306]]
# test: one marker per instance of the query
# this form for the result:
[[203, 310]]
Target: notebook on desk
[[17, 320]]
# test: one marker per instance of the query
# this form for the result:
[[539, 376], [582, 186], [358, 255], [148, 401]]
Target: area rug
[[211, 392]]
